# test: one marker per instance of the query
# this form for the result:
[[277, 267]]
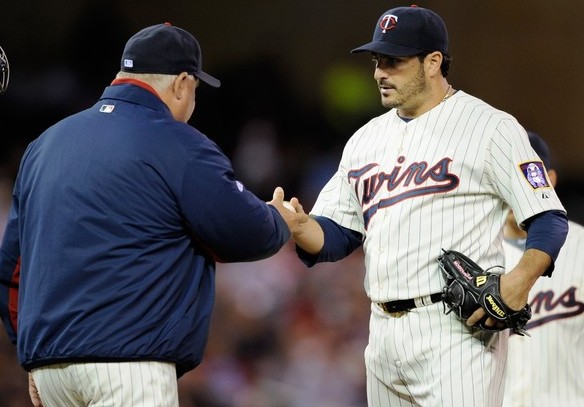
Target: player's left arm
[[546, 234]]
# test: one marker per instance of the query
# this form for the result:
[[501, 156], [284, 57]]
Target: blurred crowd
[[284, 336]]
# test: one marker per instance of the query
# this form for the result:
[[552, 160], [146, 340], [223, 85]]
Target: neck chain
[[446, 96]]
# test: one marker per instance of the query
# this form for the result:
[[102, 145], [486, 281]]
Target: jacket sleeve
[[227, 220], [10, 275]]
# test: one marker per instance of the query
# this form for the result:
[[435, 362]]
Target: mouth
[[386, 90]]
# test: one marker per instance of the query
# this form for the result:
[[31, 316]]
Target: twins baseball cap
[[165, 49], [406, 31], [541, 148]]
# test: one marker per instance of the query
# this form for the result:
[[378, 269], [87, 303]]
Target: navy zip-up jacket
[[119, 214]]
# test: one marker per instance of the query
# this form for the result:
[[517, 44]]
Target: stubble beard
[[407, 92]]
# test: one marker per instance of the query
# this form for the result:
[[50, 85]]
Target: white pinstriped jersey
[[444, 180], [546, 368]]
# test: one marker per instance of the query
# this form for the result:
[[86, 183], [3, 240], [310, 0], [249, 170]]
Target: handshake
[[279, 203], [291, 211], [306, 231], [289, 206]]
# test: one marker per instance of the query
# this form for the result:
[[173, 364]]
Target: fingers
[[291, 211], [289, 206], [33, 392], [476, 317], [297, 205], [278, 194], [286, 207], [278, 198]]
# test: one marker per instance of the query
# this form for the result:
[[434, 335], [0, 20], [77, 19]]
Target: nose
[[379, 74]]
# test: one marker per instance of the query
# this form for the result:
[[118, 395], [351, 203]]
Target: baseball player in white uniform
[[554, 354], [439, 170]]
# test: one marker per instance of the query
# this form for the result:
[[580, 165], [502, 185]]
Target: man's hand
[[291, 211], [516, 284], [511, 293], [475, 295], [33, 392]]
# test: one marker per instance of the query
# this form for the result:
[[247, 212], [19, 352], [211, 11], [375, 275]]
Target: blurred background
[[292, 94]]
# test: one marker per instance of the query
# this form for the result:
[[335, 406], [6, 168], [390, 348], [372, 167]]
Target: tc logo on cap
[[388, 22]]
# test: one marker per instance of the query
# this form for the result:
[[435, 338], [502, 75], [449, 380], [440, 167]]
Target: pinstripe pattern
[[127, 384], [410, 367], [444, 180], [403, 239], [554, 354]]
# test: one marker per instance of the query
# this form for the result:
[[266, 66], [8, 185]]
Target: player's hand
[[33, 392], [478, 315], [513, 292], [291, 211]]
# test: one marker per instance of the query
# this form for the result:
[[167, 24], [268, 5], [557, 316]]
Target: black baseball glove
[[469, 287]]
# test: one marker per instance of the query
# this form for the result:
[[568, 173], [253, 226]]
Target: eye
[[386, 61]]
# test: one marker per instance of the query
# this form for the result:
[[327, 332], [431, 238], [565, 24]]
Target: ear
[[553, 176], [179, 86], [433, 62]]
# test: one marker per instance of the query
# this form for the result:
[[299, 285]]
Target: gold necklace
[[446, 96]]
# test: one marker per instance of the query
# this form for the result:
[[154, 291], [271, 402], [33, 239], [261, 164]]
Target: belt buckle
[[396, 314]]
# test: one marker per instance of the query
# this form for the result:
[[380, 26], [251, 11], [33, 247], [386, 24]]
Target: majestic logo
[[388, 22], [534, 173], [417, 179]]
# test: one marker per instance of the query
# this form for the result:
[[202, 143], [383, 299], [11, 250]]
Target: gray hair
[[160, 82]]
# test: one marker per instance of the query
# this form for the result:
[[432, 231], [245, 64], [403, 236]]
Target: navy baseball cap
[[541, 148], [407, 31], [165, 49]]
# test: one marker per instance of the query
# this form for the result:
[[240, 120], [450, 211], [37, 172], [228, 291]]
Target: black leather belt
[[406, 305]]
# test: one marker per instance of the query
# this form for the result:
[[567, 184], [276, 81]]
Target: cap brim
[[208, 79], [387, 48]]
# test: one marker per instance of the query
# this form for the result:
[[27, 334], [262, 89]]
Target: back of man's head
[[541, 148], [165, 49]]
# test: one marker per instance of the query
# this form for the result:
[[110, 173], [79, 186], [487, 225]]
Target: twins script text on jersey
[[417, 173], [548, 306]]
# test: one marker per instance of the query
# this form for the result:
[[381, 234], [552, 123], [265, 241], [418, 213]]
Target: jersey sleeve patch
[[534, 173]]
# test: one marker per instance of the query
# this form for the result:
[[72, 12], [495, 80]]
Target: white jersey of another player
[[441, 181], [553, 356]]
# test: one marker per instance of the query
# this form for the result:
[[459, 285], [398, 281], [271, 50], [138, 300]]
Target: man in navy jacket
[[119, 214]]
